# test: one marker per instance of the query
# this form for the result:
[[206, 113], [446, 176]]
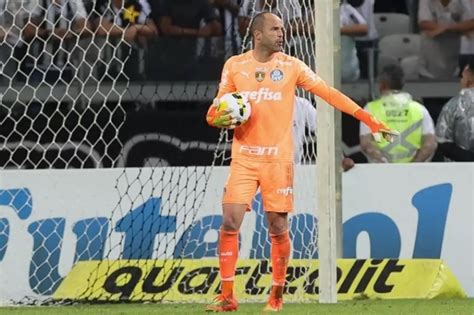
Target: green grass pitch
[[405, 307]]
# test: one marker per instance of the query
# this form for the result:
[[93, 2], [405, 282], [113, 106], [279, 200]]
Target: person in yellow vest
[[417, 141]]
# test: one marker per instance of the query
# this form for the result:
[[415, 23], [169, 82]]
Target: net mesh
[[54, 110], [72, 92]]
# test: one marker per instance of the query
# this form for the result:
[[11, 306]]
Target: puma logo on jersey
[[263, 94], [245, 74]]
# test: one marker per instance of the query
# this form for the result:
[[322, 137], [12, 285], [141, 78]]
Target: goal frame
[[329, 149]]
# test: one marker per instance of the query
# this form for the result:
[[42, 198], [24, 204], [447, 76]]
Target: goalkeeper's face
[[273, 33]]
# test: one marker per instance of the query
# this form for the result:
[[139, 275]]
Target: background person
[[455, 125], [416, 142]]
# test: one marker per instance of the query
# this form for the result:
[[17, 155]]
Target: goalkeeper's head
[[268, 32]]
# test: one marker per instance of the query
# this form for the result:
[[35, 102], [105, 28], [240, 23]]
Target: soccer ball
[[239, 106]]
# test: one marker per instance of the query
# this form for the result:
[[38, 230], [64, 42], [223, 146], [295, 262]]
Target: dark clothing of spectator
[[455, 153], [455, 127], [187, 13], [51, 29], [128, 26], [174, 56], [228, 17], [390, 6]]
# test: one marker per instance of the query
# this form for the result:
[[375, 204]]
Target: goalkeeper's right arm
[[222, 119]]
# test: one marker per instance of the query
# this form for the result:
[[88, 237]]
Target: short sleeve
[[350, 16], [424, 11], [226, 84], [366, 8], [428, 124]]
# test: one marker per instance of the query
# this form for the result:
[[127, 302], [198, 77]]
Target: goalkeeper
[[262, 148]]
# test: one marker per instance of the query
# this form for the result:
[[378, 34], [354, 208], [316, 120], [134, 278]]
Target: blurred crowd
[[92, 41], [52, 40]]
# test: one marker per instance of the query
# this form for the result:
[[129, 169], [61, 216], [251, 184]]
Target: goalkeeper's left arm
[[311, 82], [340, 101]]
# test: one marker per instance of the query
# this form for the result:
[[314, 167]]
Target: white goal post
[[328, 177]]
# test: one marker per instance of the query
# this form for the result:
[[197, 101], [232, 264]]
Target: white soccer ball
[[239, 106]]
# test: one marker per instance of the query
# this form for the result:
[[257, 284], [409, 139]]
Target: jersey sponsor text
[[285, 191], [257, 150], [263, 94]]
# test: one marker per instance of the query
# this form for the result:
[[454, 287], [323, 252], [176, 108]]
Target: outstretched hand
[[385, 133], [378, 128]]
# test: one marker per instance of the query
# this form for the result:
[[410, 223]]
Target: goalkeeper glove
[[379, 129], [220, 119]]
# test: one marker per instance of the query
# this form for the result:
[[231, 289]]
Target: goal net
[[139, 221]]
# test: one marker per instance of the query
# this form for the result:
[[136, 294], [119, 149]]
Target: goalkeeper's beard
[[272, 47], [278, 46]]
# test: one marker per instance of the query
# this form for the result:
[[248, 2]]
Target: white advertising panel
[[51, 218]]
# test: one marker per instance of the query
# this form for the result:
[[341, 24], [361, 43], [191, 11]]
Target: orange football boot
[[274, 305], [222, 304]]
